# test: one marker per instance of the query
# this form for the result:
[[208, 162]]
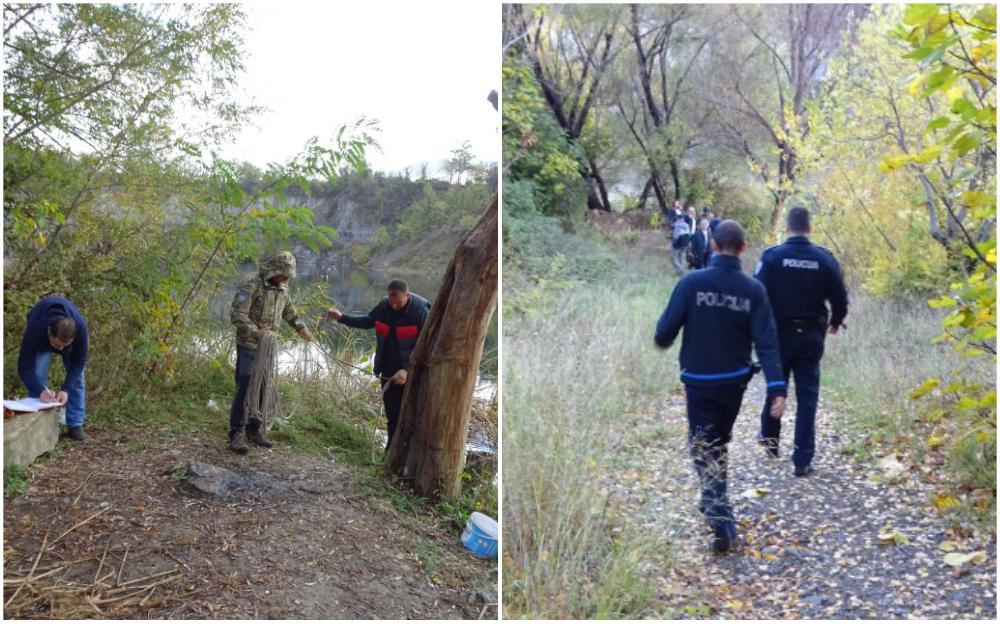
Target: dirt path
[[810, 547], [314, 546]]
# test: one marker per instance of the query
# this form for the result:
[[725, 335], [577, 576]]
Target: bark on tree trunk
[[429, 445], [675, 173], [645, 194], [602, 197], [779, 205]]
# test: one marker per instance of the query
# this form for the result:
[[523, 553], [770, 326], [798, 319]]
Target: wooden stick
[[102, 601], [124, 557], [145, 587], [151, 576], [170, 554], [142, 603], [81, 486], [90, 601], [79, 524], [61, 564], [35, 578], [100, 564], [41, 551]]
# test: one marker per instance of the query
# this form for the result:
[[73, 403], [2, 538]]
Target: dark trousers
[[392, 398], [711, 412], [801, 350], [244, 367]]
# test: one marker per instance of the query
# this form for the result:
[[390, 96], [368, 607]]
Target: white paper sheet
[[28, 405]]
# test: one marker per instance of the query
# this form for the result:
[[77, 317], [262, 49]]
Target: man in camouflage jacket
[[259, 305]]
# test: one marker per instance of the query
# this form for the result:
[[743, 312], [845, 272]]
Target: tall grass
[[869, 370], [572, 371]]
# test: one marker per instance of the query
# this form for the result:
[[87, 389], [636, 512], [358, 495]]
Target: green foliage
[[115, 202], [442, 208], [536, 149], [916, 269], [15, 481], [956, 45]]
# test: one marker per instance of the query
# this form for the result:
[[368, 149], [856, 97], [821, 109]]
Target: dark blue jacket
[[724, 313], [700, 248], [404, 325], [800, 278], [36, 340]]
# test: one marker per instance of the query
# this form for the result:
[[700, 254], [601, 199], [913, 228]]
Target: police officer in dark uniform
[[724, 313], [801, 278]]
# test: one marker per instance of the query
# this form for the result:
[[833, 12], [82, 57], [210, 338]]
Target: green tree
[[955, 50]]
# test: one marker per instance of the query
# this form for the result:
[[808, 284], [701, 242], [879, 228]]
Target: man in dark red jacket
[[397, 321]]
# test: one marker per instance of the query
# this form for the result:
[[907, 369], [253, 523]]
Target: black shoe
[[77, 434], [257, 437], [770, 445], [238, 443], [725, 535], [803, 471]]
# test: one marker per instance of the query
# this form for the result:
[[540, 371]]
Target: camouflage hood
[[281, 263]]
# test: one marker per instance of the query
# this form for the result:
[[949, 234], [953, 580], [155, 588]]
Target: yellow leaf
[[925, 387], [959, 559], [953, 93], [947, 546], [934, 441], [928, 155], [895, 536], [945, 501]]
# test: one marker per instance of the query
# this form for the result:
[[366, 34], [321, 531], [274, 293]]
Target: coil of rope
[[262, 394]]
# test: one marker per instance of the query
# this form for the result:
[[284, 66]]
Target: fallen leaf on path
[[958, 559], [945, 501], [894, 536], [756, 492]]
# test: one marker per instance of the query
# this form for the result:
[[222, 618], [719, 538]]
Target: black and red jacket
[[405, 324]]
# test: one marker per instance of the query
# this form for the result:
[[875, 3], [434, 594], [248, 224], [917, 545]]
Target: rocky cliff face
[[356, 208]]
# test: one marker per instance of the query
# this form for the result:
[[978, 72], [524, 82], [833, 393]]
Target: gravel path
[[809, 547]]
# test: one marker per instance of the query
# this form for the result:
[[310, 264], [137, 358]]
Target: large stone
[[28, 435]]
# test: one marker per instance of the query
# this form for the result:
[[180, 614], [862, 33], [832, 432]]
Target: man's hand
[[334, 313], [263, 330], [47, 396], [399, 377], [777, 407], [62, 397], [305, 335], [832, 329]]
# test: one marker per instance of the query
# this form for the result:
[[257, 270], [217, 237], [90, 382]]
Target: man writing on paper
[[56, 325]]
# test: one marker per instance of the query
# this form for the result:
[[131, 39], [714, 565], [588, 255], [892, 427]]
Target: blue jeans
[[76, 401]]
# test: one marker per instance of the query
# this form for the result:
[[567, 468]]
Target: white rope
[[262, 395]]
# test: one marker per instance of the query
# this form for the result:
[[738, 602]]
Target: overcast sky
[[423, 69]]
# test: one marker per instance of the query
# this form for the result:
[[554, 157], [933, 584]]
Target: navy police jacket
[[724, 314], [405, 324], [800, 278]]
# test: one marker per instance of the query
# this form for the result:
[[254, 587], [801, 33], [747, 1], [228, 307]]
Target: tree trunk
[[645, 194], [675, 173], [429, 445], [775, 220], [602, 190]]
